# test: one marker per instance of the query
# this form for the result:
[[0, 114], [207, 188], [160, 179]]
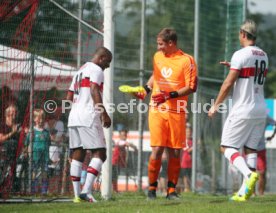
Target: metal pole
[[64, 170], [75, 17], [127, 165], [245, 10], [140, 118], [224, 169], [213, 171], [108, 98], [31, 130], [194, 153], [226, 50], [79, 36]]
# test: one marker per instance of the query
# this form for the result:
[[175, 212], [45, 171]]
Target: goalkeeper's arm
[[150, 81], [147, 89], [149, 85], [163, 95]]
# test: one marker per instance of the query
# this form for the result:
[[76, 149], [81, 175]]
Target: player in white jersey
[[246, 121], [86, 118]]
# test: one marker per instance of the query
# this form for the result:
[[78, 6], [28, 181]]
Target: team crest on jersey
[[166, 72]]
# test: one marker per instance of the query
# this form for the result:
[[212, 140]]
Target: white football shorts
[[87, 137], [238, 133]]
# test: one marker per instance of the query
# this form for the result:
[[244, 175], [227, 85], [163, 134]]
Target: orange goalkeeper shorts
[[167, 129]]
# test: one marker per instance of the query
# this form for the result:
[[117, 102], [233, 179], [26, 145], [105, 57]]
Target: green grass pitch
[[136, 202]]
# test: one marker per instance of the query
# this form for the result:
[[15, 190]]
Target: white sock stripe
[[96, 163], [229, 152]]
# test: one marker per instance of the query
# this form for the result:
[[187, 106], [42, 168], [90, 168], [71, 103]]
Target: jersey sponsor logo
[[258, 52], [166, 72]]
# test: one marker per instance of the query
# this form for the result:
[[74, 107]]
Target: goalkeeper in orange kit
[[174, 77]]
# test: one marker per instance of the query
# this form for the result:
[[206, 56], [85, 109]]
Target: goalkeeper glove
[[142, 95], [163, 96]]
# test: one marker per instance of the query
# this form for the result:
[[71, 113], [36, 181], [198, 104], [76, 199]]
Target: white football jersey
[[248, 92], [82, 111]]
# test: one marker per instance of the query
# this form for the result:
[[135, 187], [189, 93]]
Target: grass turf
[[136, 202]]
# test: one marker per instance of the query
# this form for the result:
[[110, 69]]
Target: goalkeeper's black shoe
[[172, 196], [151, 194]]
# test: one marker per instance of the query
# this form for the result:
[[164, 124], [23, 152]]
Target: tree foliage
[[54, 33], [180, 16], [159, 14]]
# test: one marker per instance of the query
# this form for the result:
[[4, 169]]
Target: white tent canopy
[[15, 70]]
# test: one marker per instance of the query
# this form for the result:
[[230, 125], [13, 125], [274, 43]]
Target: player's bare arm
[[225, 63], [16, 128], [224, 91], [97, 98], [70, 95]]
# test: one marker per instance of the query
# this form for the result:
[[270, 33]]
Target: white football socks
[[75, 173], [93, 170], [251, 160], [237, 160]]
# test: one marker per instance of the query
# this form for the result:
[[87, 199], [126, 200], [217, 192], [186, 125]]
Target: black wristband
[[174, 94], [147, 88]]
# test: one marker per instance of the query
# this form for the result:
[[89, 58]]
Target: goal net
[[42, 44]]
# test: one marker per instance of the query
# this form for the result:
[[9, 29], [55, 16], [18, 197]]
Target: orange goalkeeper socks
[[153, 172], [173, 170]]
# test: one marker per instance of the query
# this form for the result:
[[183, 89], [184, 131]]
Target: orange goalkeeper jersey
[[171, 73]]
